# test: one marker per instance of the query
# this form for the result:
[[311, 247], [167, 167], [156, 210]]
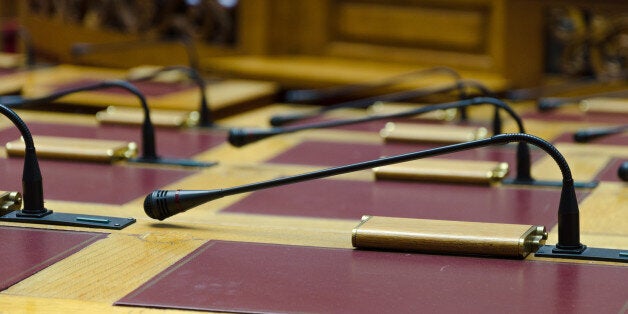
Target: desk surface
[[263, 254]]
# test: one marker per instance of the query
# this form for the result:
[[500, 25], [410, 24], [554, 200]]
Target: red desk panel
[[255, 278], [25, 251], [90, 182], [609, 173], [148, 88], [347, 199]]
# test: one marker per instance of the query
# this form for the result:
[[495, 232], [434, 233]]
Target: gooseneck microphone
[[622, 171], [239, 137], [460, 85], [32, 187], [161, 204], [317, 95], [586, 135], [551, 103], [149, 153], [34, 210], [205, 119]]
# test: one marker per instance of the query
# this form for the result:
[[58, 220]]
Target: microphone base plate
[[74, 220], [174, 162], [577, 184], [590, 253]]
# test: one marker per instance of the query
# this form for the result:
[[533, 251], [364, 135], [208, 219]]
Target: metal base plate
[[590, 253], [577, 184], [174, 162], [75, 220]]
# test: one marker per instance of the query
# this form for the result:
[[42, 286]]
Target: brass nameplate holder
[[76, 149], [159, 117], [387, 108], [444, 170], [605, 105], [448, 237], [442, 134]]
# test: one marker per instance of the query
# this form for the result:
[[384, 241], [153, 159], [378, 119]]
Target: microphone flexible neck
[[459, 85], [32, 185], [162, 204], [148, 131], [205, 116]]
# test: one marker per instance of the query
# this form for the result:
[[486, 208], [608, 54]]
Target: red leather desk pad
[[348, 199], [255, 278], [337, 154], [609, 173], [25, 251], [90, 182], [171, 143], [148, 88]]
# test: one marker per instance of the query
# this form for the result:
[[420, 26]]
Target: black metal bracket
[[590, 253], [577, 184], [173, 162], [66, 219]]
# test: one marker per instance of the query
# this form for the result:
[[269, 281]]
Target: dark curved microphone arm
[[586, 135], [32, 187], [460, 85], [34, 210], [551, 103], [149, 152], [242, 136], [161, 204], [205, 116]]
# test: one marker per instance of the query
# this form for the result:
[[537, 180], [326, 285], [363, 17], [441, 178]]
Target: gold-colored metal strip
[[386, 108], [76, 148], [135, 116], [605, 105], [444, 134], [448, 237], [444, 170], [10, 201]]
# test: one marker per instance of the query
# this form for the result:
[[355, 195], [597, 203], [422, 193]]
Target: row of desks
[[289, 249]]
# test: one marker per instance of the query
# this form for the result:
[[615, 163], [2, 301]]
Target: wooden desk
[[109, 269]]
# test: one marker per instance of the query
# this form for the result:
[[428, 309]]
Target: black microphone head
[[239, 137], [161, 204], [282, 120], [581, 136], [546, 104], [301, 95], [154, 207], [79, 49], [622, 171]]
